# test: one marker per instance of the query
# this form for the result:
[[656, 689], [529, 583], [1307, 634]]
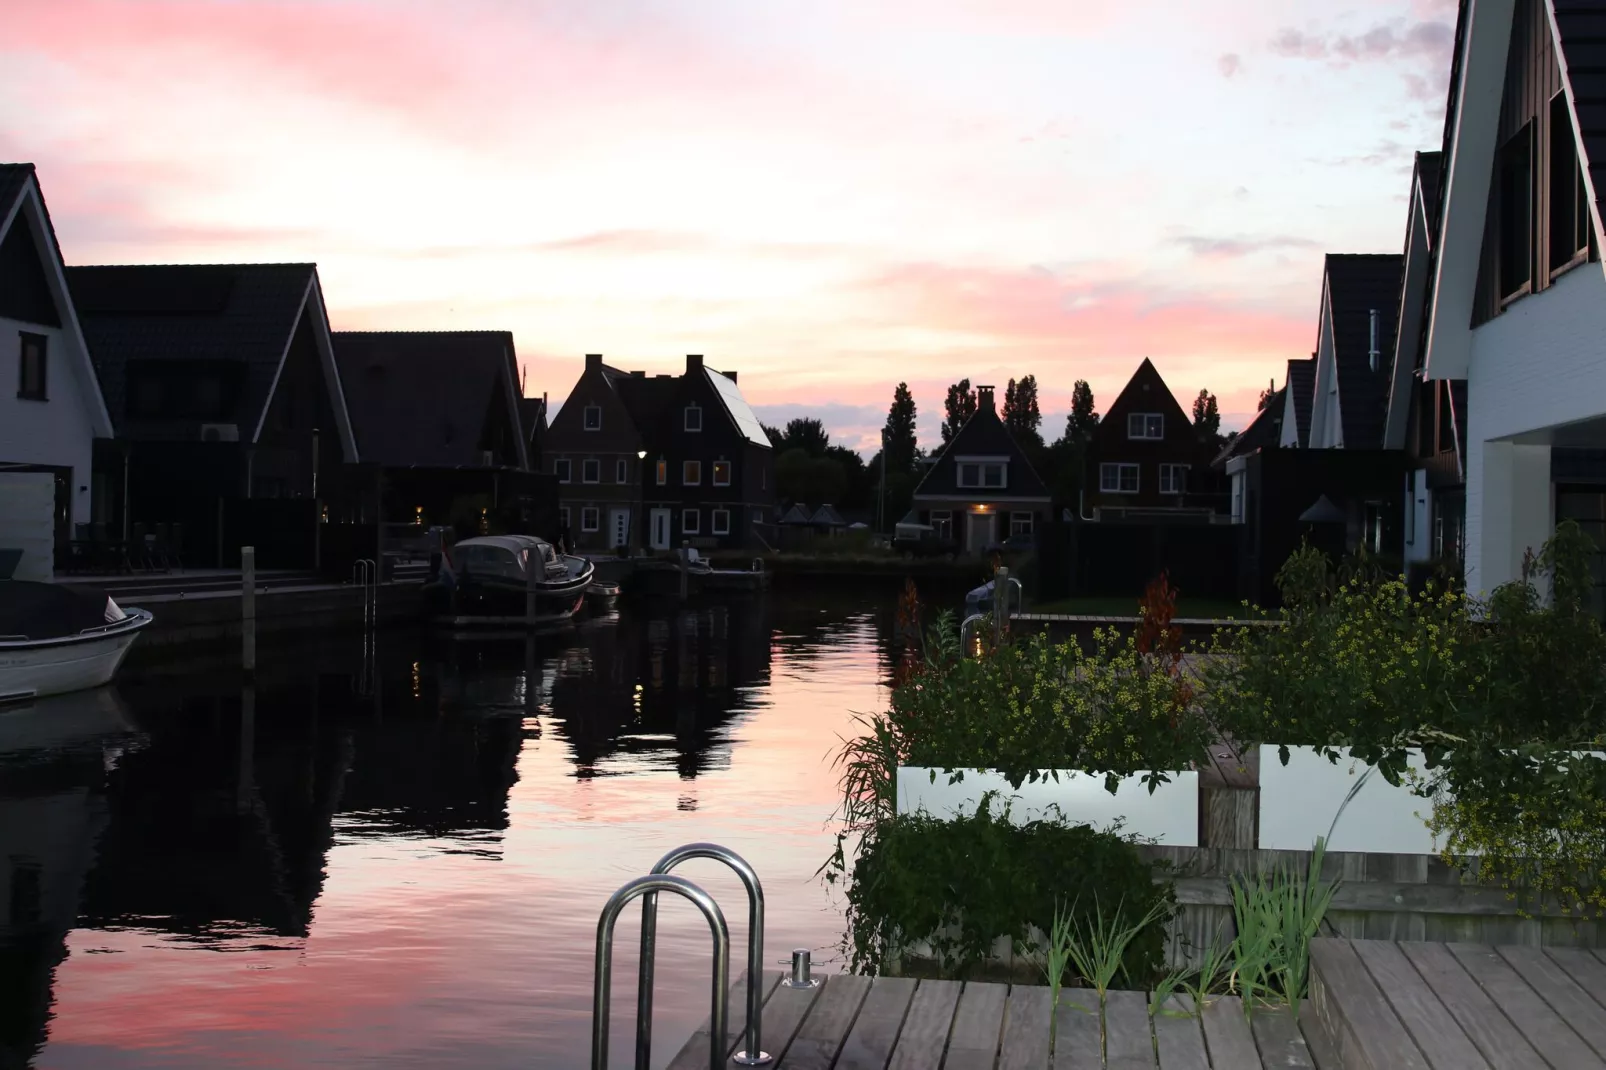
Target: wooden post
[[248, 609], [1000, 606], [529, 587]]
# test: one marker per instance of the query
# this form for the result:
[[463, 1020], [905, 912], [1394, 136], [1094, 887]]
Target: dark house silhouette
[[982, 489], [1146, 457]]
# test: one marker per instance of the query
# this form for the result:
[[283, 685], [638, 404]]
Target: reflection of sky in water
[[412, 877]]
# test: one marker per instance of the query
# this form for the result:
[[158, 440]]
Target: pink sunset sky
[[827, 196]]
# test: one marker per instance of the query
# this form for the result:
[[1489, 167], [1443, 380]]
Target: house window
[[1173, 478], [1020, 523], [1145, 425], [722, 521], [1446, 418], [31, 368], [1569, 207], [593, 417], [722, 473], [563, 517], [942, 524], [981, 475], [1238, 498], [690, 522], [1516, 213], [694, 417], [1118, 478], [590, 518], [561, 466], [691, 473], [621, 471], [591, 470], [663, 473], [992, 475]]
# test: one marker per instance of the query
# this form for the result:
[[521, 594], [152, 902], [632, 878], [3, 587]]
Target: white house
[[51, 409], [1518, 305]]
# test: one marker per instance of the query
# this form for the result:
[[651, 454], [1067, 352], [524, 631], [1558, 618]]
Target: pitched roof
[[1263, 432], [422, 397], [1428, 166], [828, 516], [796, 515], [13, 176], [1581, 40], [1302, 382], [1358, 283], [238, 312], [646, 397], [736, 406], [984, 434]]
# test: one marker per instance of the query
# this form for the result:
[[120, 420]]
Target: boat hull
[[41, 667]]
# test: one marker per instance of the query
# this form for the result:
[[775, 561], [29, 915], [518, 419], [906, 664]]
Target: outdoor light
[[641, 455]]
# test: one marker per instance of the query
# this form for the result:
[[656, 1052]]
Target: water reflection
[[403, 846]]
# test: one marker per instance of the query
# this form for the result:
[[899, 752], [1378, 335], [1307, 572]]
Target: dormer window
[[1148, 425], [593, 418], [981, 474], [694, 417]]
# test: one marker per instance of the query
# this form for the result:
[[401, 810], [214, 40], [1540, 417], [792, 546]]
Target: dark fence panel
[[1117, 559]]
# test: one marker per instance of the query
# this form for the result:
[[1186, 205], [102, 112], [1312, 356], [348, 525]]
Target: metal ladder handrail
[[719, 1010], [753, 1054], [365, 576]]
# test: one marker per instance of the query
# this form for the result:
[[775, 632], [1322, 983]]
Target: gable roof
[[421, 397], [19, 187], [1357, 284], [1421, 232], [1580, 29], [1262, 432], [984, 434], [647, 398], [737, 408], [1301, 387], [246, 313]]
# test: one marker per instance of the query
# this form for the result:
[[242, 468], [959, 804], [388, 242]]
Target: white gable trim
[[1321, 434], [1408, 334], [83, 367], [1290, 429], [1578, 137], [1466, 195], [331, 374], [514, 393]]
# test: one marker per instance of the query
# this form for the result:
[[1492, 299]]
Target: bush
[[962, 884]]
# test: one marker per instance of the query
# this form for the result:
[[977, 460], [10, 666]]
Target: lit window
[[691, 473], [694, 417], [1118, 478], [663, 472], [589, 519], [722, 473], [562, 468], [1145, 425], [593, 417], [1173, 478], [591, 470], [722, 521], [690, 522]]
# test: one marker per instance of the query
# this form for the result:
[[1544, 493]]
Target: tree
[[807, 434], [899, 432], [776, 438], [1084, 418], [813, 480], [1206, 416], [857, 491], [1021, 415], [959, 406], [1266, 395]]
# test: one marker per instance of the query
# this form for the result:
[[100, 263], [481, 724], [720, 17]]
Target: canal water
[[394, 855]]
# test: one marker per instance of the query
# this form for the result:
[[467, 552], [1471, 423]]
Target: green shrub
[[917, 876]]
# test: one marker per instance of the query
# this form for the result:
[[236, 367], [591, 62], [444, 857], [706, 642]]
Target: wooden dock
[[899, 1023]]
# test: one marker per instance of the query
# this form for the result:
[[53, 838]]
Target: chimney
[[638, 375], [1371, 352], [593, 361], [731, 376], [694, 362], [984, 399]]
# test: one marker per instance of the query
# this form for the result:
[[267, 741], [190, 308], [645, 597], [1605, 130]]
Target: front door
[[660, 529], [980, 533], [619, 526]]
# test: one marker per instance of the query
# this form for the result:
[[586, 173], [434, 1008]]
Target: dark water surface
[[400, 859]]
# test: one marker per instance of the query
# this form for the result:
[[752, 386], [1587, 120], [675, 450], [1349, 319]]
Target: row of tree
[[810, 469]]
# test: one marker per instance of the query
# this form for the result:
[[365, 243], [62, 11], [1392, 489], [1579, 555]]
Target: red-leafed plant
[[1159, 639]]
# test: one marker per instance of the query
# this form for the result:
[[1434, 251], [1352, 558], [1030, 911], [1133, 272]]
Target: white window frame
[[1118, 469], [1176, 475], [1025, 522], [563, 517], [585, 418], [686, 419], [587, 470], [975, 472], [563, 468], [727, 480], [594, 515], [685, 469], [1147, 422], [978, 471], [621, 471], [1003, 476], [942, 523], [691, 522], [720, 524]]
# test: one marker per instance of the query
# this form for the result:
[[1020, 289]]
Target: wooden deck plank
[[1026, 1023], [1501, 1044], [1279, 1039], [925, 1029], [1442, 1042], [1584, 968], [1553, 1038], [1363, 1027], [978, 1025], [694, 1054], [1179, 1036], [1228, 1039], [827, 1025], [1321, 1050], [784, 1013], [875, 1033], [1076, 1031], [1128, 1043], [1561, 993]]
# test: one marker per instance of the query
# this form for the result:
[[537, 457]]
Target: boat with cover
[[493, 579], [56, 639]]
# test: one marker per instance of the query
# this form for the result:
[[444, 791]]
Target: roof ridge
[[474, 331], [137, 267]]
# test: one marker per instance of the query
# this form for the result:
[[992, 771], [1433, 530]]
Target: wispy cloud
[[1216, 247], [1229, 64], [1423, 39]]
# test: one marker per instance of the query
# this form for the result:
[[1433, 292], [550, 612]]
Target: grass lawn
[[1206, 608]]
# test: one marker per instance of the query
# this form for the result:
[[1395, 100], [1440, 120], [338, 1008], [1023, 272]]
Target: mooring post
[[248, 609]]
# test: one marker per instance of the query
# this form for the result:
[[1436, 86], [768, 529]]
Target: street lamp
[[641, 495]]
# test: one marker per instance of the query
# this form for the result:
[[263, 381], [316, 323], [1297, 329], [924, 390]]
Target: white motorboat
[[54, 640]]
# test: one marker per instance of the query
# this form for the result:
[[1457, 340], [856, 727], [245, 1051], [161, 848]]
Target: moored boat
[[507, 580], [602, 594], [54, 640]]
